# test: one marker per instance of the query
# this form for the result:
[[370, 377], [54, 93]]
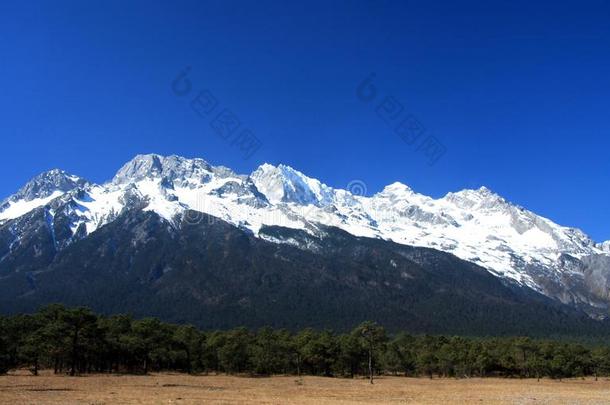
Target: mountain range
[[191, 242]]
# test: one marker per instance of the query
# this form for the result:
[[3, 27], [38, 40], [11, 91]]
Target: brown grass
[[21, 388]]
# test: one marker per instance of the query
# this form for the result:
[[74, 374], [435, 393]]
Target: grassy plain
[[22, 388]]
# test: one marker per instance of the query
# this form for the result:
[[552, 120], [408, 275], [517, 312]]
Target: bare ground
[[21, 388]]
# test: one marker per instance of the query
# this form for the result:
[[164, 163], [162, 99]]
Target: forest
[[78, 341]]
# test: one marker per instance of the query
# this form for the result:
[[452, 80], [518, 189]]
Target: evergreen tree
[[373, 338], [234, 354], [79, 325], [78, 341]]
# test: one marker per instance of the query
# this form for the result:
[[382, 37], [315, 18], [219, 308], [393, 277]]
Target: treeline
[[75, 340]]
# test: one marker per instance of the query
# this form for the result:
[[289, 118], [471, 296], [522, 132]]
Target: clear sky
[[518, 92]]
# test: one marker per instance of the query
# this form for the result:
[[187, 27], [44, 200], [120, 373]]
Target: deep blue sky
[[517, 91]]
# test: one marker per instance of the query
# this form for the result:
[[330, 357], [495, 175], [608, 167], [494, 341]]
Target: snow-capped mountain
[[475, 225], [38, 192]]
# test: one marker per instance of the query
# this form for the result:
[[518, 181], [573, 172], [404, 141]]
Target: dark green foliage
[[271, 352], [216, 276], [75, 340], [189, 344], [234, 354]]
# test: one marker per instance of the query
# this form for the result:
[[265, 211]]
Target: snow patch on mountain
[[15, 209], [604, 246]]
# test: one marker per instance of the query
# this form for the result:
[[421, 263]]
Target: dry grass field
[[21, 388]]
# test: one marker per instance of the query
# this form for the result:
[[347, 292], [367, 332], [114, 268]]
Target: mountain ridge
[[476, 225]]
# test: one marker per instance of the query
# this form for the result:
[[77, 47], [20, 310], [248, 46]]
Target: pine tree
[[373, 338]]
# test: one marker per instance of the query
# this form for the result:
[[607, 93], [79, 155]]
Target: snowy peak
[[168, 168], [47, 183], [283, 184], [139, 168], [398, 187], [397, 191], [38, 192], [482, 198]]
